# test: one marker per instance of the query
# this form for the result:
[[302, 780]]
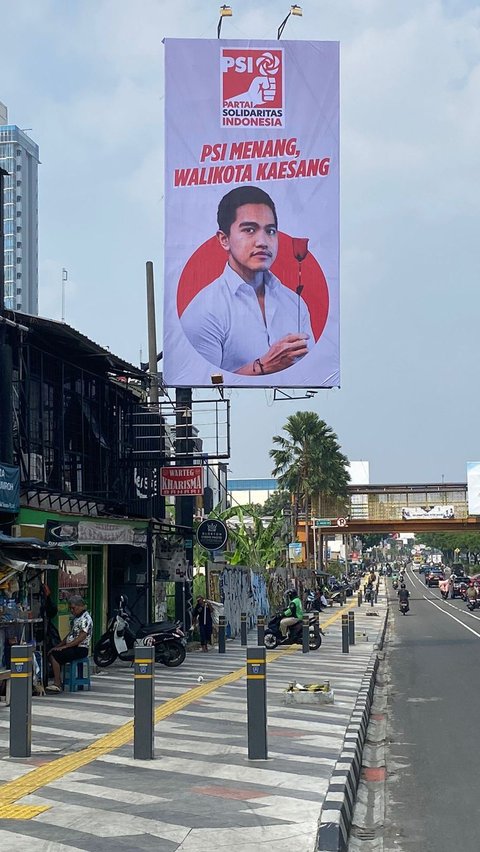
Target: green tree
[[256, 543], [277, 502], [308, 461]]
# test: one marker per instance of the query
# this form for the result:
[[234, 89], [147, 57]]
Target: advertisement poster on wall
[[251, 213]]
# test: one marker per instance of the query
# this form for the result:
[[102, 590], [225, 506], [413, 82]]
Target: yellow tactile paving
[[43, 775]]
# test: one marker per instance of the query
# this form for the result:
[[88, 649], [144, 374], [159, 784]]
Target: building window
[[19, 168], [19, 197], [19, 259], [19, 182], [19, 306], [19, 274], [19, 213], [19, 291], [18, 229], [19, 245]]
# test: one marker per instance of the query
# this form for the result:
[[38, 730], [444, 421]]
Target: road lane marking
[[453, 606], [470, 629], [27, 784]]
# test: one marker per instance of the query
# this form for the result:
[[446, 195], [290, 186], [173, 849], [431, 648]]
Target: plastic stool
[[76, 675]]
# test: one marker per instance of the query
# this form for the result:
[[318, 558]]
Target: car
[[459, 586], [433, 576]]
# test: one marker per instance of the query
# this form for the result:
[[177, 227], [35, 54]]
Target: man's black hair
[[227, 209]]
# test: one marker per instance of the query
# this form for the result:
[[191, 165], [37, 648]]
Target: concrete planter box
[[304, 697]]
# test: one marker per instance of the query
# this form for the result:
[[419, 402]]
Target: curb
[[337, 809]]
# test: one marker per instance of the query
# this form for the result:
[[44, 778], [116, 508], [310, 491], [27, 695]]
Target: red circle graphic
[[208, 262]]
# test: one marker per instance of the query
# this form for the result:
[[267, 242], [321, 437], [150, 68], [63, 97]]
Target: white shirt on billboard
[[225, 325]]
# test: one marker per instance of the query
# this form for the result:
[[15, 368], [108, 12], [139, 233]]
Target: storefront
[[111, 557]]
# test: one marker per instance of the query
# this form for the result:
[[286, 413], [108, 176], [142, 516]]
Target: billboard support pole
[[184, 506]]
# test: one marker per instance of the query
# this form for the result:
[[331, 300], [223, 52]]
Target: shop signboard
[[212, 534], [181, 481], [9, 488]]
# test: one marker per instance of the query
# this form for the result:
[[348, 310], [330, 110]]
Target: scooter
[[473, 603], [120, 641], [273, 635], [444, 594], [403, 606]]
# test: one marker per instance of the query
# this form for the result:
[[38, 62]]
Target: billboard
[[473, 487], [251, 214]]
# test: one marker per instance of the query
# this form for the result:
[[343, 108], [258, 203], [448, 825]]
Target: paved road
[[433, 724]]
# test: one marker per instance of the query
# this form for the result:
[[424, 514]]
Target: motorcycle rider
[[403, 595], [292, 614], [472, 593]]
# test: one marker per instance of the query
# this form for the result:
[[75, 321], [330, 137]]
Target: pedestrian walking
[[202, 616]]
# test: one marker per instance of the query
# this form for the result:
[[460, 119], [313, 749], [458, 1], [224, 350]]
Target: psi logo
[[252, 88]]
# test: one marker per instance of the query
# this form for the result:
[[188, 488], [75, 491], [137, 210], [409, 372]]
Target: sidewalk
[[81, 789]]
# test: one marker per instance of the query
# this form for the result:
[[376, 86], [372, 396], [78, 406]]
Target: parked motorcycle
[[403, 606], [472, 604], [120, 640], [273, 636]]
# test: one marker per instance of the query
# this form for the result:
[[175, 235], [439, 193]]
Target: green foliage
[[469, 542], [371, 539], [256, 543], [277, 502], [308, 460]]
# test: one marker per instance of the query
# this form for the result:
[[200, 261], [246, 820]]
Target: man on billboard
[[246, 321]]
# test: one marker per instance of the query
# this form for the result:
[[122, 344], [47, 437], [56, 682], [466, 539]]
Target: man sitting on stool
[[76, 644]]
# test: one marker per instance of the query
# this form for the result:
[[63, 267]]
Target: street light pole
[[294, 10], [225, 12]]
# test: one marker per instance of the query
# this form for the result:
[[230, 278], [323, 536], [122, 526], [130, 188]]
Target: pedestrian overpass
[[433, 507]]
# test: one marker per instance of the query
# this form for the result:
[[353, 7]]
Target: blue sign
[[9, 488]]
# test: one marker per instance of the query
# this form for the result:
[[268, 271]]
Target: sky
[[87, 78]]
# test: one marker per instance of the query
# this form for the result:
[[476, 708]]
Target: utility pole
[[152, 335]]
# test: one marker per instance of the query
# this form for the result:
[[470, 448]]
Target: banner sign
[[473, 487], [425, 513], [252, 214], [9, 488], [295, 551], [90, 532], [181, 481]]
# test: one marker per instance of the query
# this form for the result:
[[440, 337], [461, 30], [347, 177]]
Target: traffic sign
[[323, 522], [341, 522]]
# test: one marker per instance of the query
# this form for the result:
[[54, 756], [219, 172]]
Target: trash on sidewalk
[[309, 693], [372, 612]]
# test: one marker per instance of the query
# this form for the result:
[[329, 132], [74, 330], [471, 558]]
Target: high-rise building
[[19, 157]]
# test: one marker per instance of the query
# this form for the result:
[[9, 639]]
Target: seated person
[[76, 644], [293, 613]]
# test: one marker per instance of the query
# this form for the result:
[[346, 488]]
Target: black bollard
[[351, 628], [359, 598], [260, 630], [243, 628], [221, 634], [144, 703], [345, 645], [316, 627], [306, 634], [257, 704], [21, 701]]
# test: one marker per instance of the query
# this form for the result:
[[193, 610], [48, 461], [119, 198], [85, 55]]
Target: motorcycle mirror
[[123, 600]]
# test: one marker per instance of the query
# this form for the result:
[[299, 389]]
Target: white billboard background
[[306, 206]]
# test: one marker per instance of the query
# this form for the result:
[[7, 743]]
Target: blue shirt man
[[247, 321]]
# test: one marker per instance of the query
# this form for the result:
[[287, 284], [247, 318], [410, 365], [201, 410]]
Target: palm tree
[[308, 461]]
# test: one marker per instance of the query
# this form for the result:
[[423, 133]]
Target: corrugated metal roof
[[64, 333]]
